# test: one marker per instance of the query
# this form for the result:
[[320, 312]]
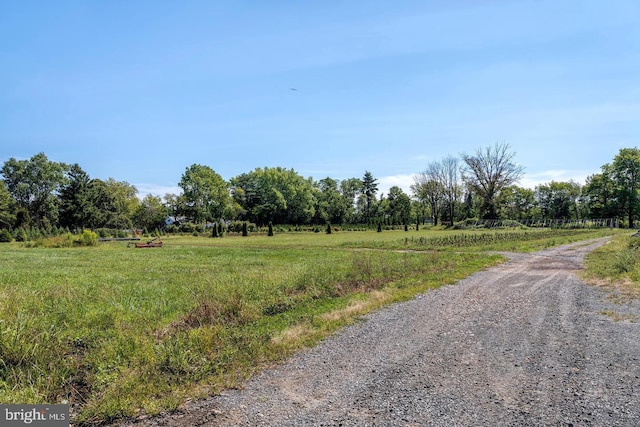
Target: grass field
[[118, 331]]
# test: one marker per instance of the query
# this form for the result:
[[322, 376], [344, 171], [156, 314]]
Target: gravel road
[[522, 344]]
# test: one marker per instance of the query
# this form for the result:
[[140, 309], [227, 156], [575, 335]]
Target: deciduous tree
[[399, 206], [516, 203], [440, 183], [150, 213], [429, 192], [274, 194], [34, 185], [331, 206], [488, 172], [626, 174], [205, 192], [559, 200], [601, 196], [7, 218]]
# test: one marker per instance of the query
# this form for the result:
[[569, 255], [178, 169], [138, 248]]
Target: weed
[[625, 261]]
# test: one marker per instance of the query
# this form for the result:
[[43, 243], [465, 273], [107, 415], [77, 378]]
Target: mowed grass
[[118, 331]]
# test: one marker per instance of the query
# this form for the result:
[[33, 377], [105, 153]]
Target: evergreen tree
[[369, 189]]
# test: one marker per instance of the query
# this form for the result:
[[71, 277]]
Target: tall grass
[[118, 332], [616, 266]]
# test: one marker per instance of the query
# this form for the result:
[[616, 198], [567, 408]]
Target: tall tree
[[369, 190], [601, 194], [151, 213], [626, 174], [75, 199], [34, 185], [7, 218], [429, 192], [112, 204], [206, 193], [559, 200], [450, 179], [350, 189], [331, 206], [488, 172], [399, 206], [441, 182], [516, 203], [278, 195]]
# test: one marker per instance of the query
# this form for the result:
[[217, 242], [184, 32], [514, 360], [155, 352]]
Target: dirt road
[[524, 344]]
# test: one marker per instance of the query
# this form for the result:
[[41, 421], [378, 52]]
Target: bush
[[5, 236], [239, 226], [171, 229], [87, 238], [103, 232], [21, 235]]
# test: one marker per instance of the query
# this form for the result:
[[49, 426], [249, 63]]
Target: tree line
[[44, 194]]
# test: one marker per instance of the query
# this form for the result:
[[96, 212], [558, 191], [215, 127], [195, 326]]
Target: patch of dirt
[[525, 343]]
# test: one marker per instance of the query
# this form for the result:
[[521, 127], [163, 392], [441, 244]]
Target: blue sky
[[138, 91]]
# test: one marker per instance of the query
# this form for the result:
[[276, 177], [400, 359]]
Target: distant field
[[117, 331]]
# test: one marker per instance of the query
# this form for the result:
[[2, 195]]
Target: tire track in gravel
[[523, 344]]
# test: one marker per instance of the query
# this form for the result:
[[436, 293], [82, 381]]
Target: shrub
[[103, 232], [625, 261], [171, 229], [88, 238], [239, 226], [5, 236], [187, 227], [21, 235]]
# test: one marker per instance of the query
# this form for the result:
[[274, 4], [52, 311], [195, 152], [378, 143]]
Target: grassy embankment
[[616, 267], [118, 332]]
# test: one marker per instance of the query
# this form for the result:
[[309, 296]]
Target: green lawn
[[117, 331]]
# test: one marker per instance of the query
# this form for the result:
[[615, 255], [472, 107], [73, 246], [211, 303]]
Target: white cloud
[[156, 190], [531, 180], [386, 182]]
